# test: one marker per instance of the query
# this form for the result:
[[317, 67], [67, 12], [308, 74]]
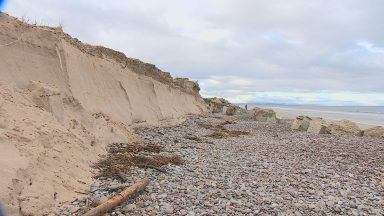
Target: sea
[[366, 115]]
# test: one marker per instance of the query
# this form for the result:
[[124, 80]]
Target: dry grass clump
[[122, 156]]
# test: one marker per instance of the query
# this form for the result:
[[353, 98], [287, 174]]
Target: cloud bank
[[299, 51]]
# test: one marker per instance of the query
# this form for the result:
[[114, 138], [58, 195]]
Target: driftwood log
[[116, 200]]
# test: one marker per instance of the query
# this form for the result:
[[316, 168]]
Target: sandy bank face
[[46, 152], [60, 107]]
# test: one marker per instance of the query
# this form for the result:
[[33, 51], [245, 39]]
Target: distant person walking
[[246, 106], [2, 212]]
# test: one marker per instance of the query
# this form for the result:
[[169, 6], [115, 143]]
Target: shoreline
[[283, 114], [363, 120]]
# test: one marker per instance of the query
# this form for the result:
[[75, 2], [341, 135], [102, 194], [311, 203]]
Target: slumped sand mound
[[62, 102]]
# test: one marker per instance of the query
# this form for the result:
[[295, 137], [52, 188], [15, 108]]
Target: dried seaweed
[[122, 157], [205, 125], [227, 133], [194, 138], [220, 132]]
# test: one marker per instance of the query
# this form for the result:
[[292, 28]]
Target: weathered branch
[[116, 200]]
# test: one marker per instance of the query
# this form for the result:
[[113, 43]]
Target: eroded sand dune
[[62, 102]]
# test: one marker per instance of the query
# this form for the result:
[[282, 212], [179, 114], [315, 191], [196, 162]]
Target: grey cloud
[[275, 45]]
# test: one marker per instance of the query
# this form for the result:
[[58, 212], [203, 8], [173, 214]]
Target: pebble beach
[[268, 169]]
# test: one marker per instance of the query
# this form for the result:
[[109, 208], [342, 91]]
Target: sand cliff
[[62, 102]]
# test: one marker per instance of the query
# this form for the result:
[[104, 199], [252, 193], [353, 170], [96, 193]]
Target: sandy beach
[[270, 169]]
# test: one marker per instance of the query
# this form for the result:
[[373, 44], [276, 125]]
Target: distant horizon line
[[293, 104]]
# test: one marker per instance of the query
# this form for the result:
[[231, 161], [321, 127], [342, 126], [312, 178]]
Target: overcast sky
[[298, 51]]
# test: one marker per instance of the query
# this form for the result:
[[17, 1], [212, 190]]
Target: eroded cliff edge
[[62, 102]]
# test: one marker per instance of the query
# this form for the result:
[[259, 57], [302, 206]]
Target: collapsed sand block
[[240, 110], [217, 105], [345, 127], [318, 126], [375, 132], [264, 115], [231, 110], [301, 123], [321, 126], [224, 110], [215, 108]]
